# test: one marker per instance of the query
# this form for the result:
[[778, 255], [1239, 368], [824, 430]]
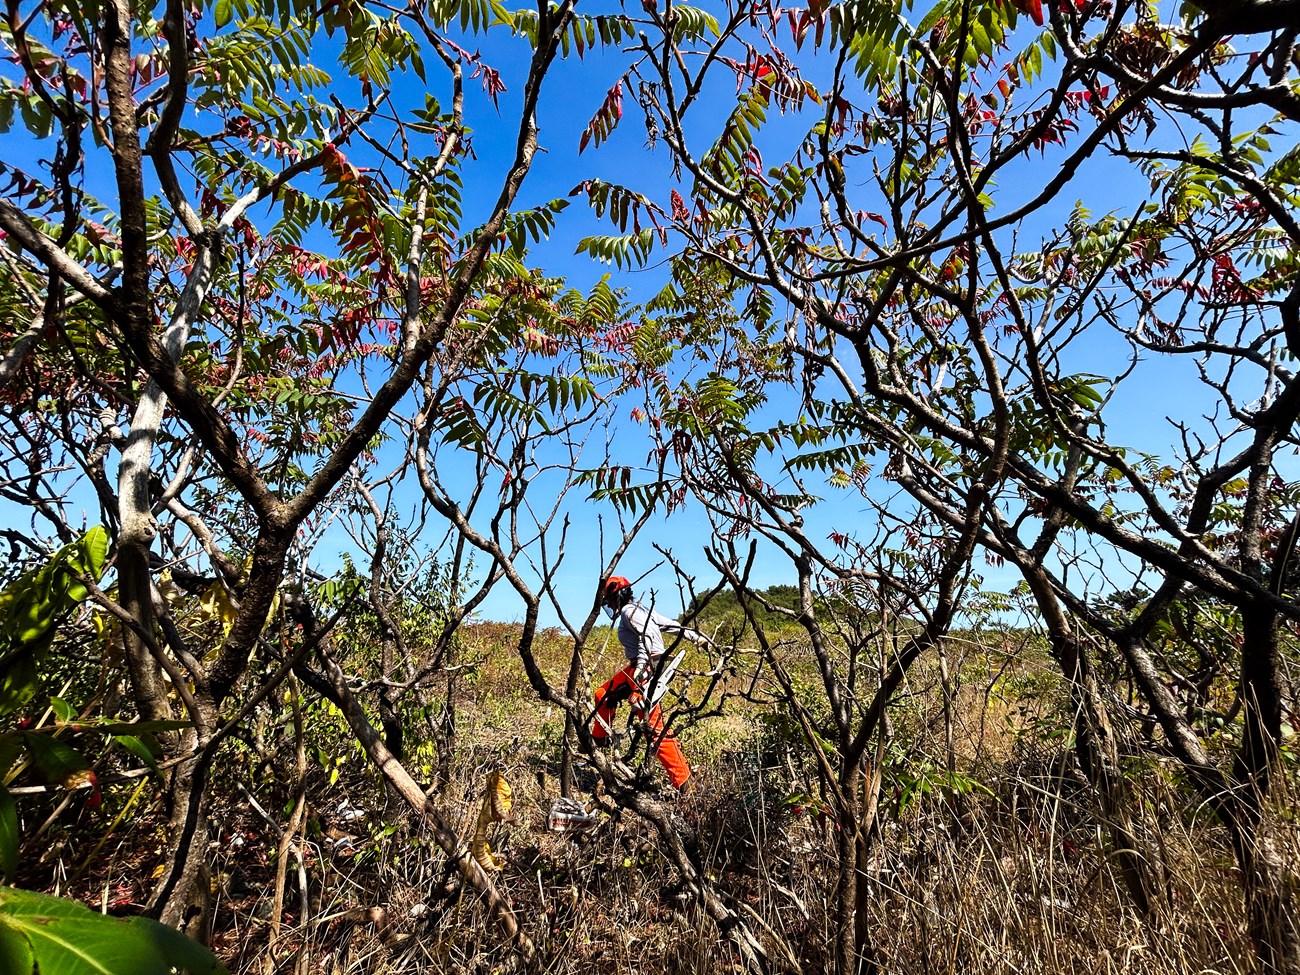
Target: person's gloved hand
[[698, 638], [642, 675]]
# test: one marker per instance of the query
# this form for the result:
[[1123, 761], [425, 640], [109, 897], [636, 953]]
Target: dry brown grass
[[1012, 875]]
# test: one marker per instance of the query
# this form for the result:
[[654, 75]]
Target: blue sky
[[573, 91]]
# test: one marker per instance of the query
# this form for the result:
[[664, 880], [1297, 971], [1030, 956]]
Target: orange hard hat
[[614, 584]]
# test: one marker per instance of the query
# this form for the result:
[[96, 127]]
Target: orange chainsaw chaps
[[623, 686]]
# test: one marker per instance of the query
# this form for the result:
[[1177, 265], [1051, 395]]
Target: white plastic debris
[[569, 814], [350, 813]]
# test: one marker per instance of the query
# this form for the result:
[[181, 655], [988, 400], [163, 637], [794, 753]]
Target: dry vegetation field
[[988, 848]]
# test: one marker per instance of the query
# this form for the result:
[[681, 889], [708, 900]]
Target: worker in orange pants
[[624, 686], [640, 632]]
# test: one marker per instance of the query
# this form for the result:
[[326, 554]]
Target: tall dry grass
[[988, 855]]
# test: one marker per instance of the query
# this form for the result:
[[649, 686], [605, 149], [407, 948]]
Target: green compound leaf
[[34, 604], [61, 937], [8, 843], [15, 951]]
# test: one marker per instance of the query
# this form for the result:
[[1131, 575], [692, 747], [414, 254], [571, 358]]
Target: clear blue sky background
[[576, 88], [573, 91]]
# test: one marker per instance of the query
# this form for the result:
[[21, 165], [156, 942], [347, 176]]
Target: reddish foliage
[[679, 211]]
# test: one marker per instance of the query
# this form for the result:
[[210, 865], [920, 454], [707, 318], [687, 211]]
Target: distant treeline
[[724, 611]]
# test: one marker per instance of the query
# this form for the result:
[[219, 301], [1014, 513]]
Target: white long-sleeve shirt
[[640, 631]]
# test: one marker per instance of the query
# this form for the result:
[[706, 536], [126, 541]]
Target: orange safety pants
[[623, 686]]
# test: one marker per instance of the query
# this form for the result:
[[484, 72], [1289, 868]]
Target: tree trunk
[[1094, 741], [135, 589], [851, 938], [390, 719], [570, 735], [1268, 881], [447, 737], [867, 833], [846, 894], [182, 898], [1098, 755]]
